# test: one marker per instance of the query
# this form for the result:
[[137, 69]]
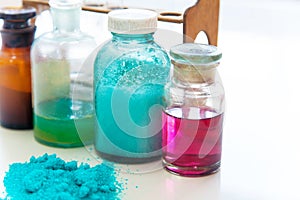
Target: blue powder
[[128, 102], [49, 177]]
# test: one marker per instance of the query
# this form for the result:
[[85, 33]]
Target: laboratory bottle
[[193, 114], [62, 82], [130, 72], [17, 35]]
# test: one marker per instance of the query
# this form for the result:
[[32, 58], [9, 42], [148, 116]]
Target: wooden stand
[[203, 16]]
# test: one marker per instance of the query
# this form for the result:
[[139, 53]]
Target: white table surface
[[260, 72]]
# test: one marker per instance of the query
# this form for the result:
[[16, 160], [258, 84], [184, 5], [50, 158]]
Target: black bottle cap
[[17, 31], [17, 18]]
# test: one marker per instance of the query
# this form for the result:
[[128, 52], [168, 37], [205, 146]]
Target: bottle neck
[[66, 19], [133, 38], [190, 74], [17, 38]]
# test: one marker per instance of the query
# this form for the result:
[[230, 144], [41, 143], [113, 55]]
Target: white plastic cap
[[132, 21]]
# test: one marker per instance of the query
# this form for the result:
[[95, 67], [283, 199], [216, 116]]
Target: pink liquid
[[192, 141]]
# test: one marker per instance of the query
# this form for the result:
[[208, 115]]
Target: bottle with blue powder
[[130, 72]]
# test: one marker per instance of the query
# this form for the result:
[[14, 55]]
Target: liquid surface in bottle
[[192, 140], [64, 123]]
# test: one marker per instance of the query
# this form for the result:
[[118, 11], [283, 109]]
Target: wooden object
[[203, 16]]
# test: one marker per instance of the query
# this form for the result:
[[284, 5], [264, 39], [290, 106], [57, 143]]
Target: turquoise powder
[[128, 102], [50, 177]]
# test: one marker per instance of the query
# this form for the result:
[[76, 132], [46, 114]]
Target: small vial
[[193, 116]]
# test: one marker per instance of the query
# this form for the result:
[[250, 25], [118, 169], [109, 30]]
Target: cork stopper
[[132, 21], [195, 63], [194, 74]]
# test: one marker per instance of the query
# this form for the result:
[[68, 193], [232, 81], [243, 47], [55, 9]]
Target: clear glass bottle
[[130, 72], [193, 116], [15, 72], [63, 86], [114, 4]]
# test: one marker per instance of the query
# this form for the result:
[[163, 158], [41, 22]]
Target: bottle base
[[16, 127], [58, 145], [127, 160], [191, 171]]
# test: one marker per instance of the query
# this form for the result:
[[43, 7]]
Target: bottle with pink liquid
[[194, 111]]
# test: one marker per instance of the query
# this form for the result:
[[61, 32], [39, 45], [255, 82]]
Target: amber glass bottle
[[15, 72]]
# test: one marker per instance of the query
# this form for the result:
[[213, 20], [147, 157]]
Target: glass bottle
[[15, 72], [114, 4], [63, 86], [129, 75], [193, 115]]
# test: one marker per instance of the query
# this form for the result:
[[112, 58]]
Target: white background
[[260, 41]]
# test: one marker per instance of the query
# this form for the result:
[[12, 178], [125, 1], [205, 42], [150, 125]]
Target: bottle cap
[[65, 4], [132, 21], [17, 18], [17, 31], [194, 62], [195, 54]]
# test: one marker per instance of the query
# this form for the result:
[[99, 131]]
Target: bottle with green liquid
[[130, 72], [62, 82]]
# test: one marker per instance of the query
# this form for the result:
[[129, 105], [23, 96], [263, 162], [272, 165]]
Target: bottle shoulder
[[13, 54], [63, 46], [150, 52], [58, 38], [131, 64], [193, 89], [194, 96]]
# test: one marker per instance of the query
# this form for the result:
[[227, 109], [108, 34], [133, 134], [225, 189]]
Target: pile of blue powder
[[50, 177]]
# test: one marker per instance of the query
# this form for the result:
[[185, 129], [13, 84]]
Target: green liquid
[[64, 123]]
